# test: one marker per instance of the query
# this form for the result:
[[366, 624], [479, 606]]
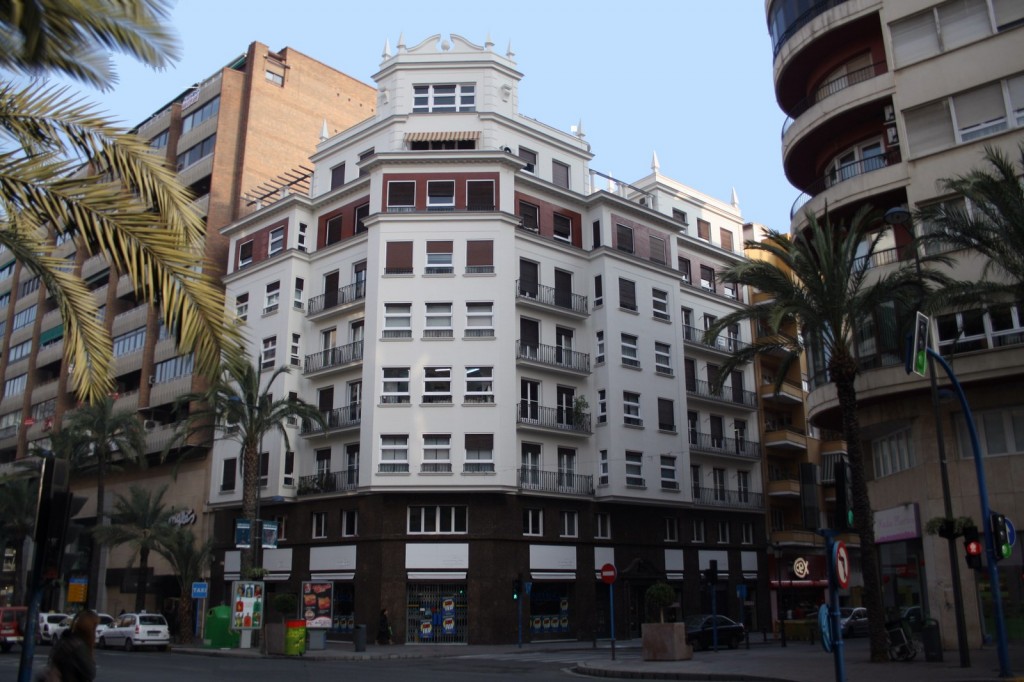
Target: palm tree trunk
[[185, 625], [863, 517], [143, 583], [250, 496], [92, 593], [19, 570]]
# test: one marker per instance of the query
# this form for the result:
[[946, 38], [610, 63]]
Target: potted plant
[[663, 641], [286, 604], [579, 411]]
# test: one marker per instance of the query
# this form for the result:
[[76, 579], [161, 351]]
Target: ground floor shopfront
[[459, 584]]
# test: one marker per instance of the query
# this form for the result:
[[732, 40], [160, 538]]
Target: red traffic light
[[973, 548]]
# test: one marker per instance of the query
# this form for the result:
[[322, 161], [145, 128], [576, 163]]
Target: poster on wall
[[317, 604], [247, 605], [243, 534], [448, 606]]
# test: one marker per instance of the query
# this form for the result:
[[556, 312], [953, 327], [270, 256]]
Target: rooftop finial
[[579, 130], [401, 42], [735, 199], [655, 164], [509, 53], [386, 54], [323, 131], [488, 43]]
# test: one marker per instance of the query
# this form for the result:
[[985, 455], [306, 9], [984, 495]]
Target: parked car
[[47, 622], [58, 630], [700, 632], [131, 630], [62, 628], [12, 626], [853, 621], [105, 621]]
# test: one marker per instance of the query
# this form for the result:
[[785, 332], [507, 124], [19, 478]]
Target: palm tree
[[109, 438], [189, 561], [139, 521], [819, 284], [993, 226], [18, 502], [68, 171], [239, 407]]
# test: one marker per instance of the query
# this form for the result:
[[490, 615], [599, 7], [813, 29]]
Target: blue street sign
[[1011, 533], [200, 590], [741, 591]]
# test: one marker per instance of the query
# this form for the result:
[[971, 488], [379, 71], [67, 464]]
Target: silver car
[[131, 630]]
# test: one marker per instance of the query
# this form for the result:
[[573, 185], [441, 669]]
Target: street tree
[[190, 560], [19, 500]]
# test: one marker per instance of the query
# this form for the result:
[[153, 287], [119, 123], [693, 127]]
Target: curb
[[590, 671]]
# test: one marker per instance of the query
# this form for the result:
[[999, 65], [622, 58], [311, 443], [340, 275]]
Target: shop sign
[[897, 523], [183, 517]]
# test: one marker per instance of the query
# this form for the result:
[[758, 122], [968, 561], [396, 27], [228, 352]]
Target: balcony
[[795, 536], [709, 444], [840, 175], [785, 24], [723, 344], [784, 437], [554, 356], [329, 482], [726, 394], [788, 393], [563, 420], [550, 297], [783, 482], [344, 296], [733, 499], [339, 419], [832, 87], [555, 482], [339, 356]]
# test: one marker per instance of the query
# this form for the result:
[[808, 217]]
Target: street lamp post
[[901, 216]]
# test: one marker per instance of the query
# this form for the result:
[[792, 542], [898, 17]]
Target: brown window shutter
[[727, 240], [439, 247], [703, 229], [399, 256], [480, 252], [666, 415], [479, 441], [627, 294]]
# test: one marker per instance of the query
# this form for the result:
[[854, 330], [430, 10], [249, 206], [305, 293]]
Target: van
[[12, 626]]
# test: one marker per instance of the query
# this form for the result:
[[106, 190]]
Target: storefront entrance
[[549, 611], [436, 613]]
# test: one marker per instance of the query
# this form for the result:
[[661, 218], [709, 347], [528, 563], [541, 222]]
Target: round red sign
[[608, 574]]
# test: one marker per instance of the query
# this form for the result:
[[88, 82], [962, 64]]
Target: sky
[[688, 79]]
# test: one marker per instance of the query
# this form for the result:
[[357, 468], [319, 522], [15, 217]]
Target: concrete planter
[[665, 642], [274, 638]]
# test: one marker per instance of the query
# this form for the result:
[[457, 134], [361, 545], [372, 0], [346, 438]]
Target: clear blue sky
[[689, 79]]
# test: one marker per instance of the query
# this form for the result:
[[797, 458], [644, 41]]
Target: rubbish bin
[[931, 638], [317, 640], [359, 638], [219, 634], [295, 638]]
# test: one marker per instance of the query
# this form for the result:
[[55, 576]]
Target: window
[[288, 472], [361, 214], [24, 318], [479, 319], [439, 258], [680, 216], [666, 415], [663, 358], [695, 475], [29, 286], [5, 299], [718, 484], [158, 141], [671, 529], [479, 385], [947, 27], [196, 153], [529, 216], [627, 294], [599, 356], [569, 524], [349, 523], [598, 291], [602, 526], [228, 475], [562, 227], [723, 532], [698, 530], [657, 249], [273, 296], [7, 270], [479, 257], [264, 469], [319, 525], [624, 238], [560, 173], [21, 350], [437, 385], [438, 98], [300, 285], [396, 386], [707, 278], [332, 230], [437, 453], [895, 452], [630, 358], [631, 409], [479, 195], [338, 176], [397, 321], [659, 305], [401, 196], [533, 522], [394, 453], [668, 473], [743, 486], [595, 229], [703, 229], [438, 321], [684, 269], [129, 342], [245, 253], [747, 533], [295, 355], [602, 406], [1000, 431], [276, 244], [479, 453], [635, 469], [398, 258], [268, 355], [529, 158], [16, 385], [274, 77], [440, 195], [168, 370], [602, 468]]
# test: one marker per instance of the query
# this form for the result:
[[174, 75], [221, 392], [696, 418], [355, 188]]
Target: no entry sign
[[608, 574]]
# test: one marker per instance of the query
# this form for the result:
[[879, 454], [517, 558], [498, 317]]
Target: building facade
[[507, 349], [230, 136], [885, 99]]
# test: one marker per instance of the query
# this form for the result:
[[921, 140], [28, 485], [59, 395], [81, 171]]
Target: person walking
[[383, 628], [73, 656]]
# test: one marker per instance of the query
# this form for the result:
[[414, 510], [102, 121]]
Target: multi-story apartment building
[[504, 355], [885, 98], [231, 137]]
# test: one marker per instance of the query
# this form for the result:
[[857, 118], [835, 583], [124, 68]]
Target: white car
[[131, 630], [105, 621], [45, 628]]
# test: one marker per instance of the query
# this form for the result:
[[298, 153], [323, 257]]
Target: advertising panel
[[247, 605], [317, 604]]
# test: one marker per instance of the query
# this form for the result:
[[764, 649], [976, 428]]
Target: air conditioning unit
[[152, 379], [297, 305], [149, 424]]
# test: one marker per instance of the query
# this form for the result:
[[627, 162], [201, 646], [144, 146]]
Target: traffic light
[[843, 520], [1000, 536], [916, 360], [711, 573], [973, 547], [517, 588]]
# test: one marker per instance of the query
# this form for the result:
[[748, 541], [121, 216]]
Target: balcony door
[[566, 397], [529, 400]]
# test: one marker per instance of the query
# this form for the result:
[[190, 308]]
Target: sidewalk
[[798, 662]]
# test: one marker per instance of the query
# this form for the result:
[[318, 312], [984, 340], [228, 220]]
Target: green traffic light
[[849, 518], [1005, 550]]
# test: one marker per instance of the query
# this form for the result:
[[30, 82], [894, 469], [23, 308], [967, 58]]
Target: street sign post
[[842, 563], [608, 576]]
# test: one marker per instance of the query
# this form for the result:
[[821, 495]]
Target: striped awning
[[455, 135]]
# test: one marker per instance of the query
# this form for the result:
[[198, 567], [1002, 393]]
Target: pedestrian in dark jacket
[[73, 655], [383, 628]]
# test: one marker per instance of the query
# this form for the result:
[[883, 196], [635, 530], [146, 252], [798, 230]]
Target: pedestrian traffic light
[[711, 573], [843, 520], [916, 360], [1000, 536], [517, 588], [972, 546]]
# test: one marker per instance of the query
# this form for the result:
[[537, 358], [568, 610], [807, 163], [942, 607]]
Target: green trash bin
[[295, 638], [219, 634]]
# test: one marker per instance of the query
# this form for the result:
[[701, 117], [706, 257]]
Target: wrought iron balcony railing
[[555, 356], [737, 396], [343, 417], [555, 482], [333, 357], [329, 482], [563, 419], [720, 445], [558, 298], [720, 497], [332, 299]]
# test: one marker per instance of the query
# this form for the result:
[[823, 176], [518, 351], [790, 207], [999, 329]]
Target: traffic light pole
[[993, 568]]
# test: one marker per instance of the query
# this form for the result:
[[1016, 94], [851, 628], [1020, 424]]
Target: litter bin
[[317, 640], [295, 638], [931, 638], [359, 638], [219, 634]]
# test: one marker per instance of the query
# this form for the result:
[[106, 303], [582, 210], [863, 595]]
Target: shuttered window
[[624, 238], [401, 194], [398, 260], [703, 229], [479, 256], [627, 294], [480, 195], [666, 415]]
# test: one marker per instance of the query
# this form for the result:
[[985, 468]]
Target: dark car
[[853, 621], [700, 632]]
